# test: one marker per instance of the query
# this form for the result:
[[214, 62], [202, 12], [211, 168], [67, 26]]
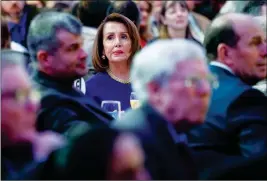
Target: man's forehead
[[194, 66], [66, 38], [246, 27]]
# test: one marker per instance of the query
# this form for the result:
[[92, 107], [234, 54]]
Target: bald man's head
[[223, 29]]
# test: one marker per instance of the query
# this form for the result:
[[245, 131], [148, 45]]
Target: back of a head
[[92, 13], [43, 30], [126, 8], [161, 57], [221, 30], [251, 7], [12, 58]]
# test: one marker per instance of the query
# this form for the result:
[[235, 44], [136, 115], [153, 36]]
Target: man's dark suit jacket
[[164, 158], [66, 110], [236, 122]]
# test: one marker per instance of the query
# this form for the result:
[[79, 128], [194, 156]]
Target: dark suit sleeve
[[62, 120], [247, 119]]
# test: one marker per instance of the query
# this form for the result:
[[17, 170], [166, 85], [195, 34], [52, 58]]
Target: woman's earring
[[103, 57]]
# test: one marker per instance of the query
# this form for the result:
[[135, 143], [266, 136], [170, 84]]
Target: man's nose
[[83, 54], [204, 88]]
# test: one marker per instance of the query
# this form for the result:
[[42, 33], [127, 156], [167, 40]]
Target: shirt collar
[[221, 65]]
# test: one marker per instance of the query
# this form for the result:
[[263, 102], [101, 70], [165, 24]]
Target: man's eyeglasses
[[198, 81], [22, 96]]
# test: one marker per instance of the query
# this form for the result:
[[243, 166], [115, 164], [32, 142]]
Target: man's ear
[[153, 89], [225, 54], [43, 58]]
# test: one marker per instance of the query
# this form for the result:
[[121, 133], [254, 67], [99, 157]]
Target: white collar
[[219, 64]]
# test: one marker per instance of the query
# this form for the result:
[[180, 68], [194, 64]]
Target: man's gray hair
[[11, 57], [157, 61], [43, 30]]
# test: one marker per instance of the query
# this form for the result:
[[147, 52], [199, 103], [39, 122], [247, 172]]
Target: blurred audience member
[[96, 9], [172, 81], [255, 8], [22, 147], [6, 43], [175, 23], [155, 17], [145, 28], [56, 46], [61, 6], [39, 4], [18, 15], [126, 8], [116, 42], [207, 8], [237, 120]]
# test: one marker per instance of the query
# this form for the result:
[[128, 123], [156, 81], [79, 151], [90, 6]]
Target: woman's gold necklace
[[117, 79]]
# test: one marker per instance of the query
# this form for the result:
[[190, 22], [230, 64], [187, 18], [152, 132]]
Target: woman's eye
[[109, 37], [124, 37]]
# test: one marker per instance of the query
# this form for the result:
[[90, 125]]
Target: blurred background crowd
[[138, 90]]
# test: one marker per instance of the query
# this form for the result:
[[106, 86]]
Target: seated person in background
[[116, 42], [173, 83], [64, 109], [236, 122], [22, 147], [145, 30], [185, 26], [126, 8], [19, 16]]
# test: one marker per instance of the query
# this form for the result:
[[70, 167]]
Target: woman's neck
[[119, 70], [174, 33]]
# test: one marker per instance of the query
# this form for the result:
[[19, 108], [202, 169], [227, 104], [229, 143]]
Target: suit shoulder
[[250, 97]]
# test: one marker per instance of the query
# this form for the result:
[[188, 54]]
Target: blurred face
[[117, 42], [69, 60], [176, 16], [13, 8], [19, 104], [249, 57], [185, 98], [144, 9]]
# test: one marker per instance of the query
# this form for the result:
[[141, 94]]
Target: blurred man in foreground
[[23, 148], [174, 92]]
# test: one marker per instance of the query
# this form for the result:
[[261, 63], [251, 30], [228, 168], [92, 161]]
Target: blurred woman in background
[[178, 22], [145, 8], [116, 42]]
